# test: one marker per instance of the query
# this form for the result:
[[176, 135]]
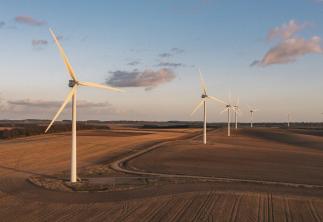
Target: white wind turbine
[[288, 119], [204, 98], [252, 110], [74, 83], [228, 108], [237, 111]]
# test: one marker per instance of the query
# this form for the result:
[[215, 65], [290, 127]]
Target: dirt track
[[21, 201]]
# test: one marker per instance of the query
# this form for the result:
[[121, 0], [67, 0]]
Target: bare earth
[[273, 175]]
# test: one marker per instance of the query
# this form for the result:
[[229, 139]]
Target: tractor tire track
[[313, 211]]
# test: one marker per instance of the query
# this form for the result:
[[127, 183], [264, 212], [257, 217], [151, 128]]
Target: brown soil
[[248, 154], [260, 154]]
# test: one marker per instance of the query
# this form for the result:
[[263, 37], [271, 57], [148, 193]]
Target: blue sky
[[222, 38]]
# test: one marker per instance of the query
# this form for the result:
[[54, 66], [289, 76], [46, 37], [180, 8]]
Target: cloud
[[172, 52], [165, 55], [254, 63], [133, 63], [46, 104], [147, 78], [34, 103], [28, 20], [289, 50], [31, 108], [2, 24], [171, 64], [290, 47], [285, 31], [39, 42], [177, 50]]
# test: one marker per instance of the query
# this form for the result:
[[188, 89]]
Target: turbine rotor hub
[[72, 83], [204, 96]]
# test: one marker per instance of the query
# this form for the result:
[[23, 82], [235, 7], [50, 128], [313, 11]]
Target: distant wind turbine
[[288, 119], [252, 110], [237, 111], [74, 83], [204, 98], [228, 108]]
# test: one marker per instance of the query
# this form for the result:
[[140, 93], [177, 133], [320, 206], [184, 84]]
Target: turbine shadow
[[23, 171]]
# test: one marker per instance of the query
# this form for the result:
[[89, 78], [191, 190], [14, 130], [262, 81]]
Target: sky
[[268, 53]]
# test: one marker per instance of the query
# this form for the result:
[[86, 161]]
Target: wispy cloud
[[177, 50], [165, 55], [171, 64], [289, 50], [39, 42], [46, 108], [172, 52], [133, 63], [290, 47], [148, 79], [45, 104], [28, 20], [2, 24], [285, 31]]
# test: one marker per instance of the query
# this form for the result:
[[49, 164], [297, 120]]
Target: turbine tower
[[288, 119], [74, 83], [252, 110], [204, 98]]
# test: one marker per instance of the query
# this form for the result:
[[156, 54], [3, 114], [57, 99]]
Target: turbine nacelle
[[72, 83], [204, 96]]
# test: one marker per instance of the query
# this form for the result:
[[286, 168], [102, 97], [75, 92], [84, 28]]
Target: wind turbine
[[228, 108], [236, 110], [288, 119], [204, 98], [74, 83], [252, 110]]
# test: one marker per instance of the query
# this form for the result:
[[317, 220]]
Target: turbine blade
[[96, 85], [229, 96], [63, 55], [238, 101], [216, 99], [226, 109], [197, 107], [67, 99], [203, 85]]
